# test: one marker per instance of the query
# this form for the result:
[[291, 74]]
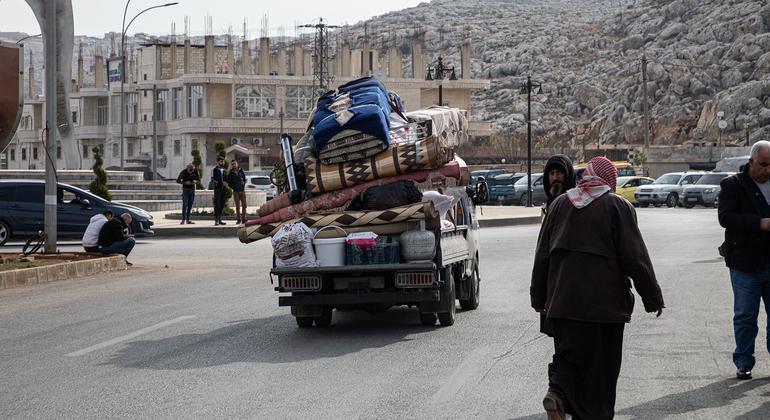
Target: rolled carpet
[[411, 213], [449, 175]]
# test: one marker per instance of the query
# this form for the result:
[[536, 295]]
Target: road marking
[[469, 369], [130, 336]]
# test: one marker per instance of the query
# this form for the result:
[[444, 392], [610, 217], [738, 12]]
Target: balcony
[[91, 131]]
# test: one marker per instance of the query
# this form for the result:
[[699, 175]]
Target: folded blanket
[[450, 175], [413, 212], [354, 146], [398, 159], [449, 125]]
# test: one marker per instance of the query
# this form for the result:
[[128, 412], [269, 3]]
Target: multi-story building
[[181, 97]]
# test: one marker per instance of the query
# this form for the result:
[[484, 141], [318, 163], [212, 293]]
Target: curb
[[232, 231], [62, 271]]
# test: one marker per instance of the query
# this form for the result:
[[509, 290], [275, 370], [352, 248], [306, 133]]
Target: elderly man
[[114, 238], [744, 212], [589, 247]]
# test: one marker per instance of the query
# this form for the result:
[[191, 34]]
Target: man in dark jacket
[[744, 212], [189, 179], [218, 179], [589, 247], [236, 178], [114, 238], [558, 177]]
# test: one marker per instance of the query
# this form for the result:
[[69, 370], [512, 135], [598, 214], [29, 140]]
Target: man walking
[[589, 247], [744, 212], [189, 179], [91, 235], [236, 178], [114, 238], [218, 179]]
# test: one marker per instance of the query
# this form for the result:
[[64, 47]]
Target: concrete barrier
[[60, 271]]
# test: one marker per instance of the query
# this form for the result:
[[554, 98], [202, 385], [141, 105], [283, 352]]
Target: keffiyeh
[[598, 179]]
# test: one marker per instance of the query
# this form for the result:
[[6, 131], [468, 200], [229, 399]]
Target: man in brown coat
[[589, 247]]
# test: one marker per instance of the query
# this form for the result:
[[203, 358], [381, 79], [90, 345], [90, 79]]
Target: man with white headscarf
[[589, 247]]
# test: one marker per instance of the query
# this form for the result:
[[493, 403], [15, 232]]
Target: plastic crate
[[386, 251]]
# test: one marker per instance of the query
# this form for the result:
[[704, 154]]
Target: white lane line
[[130, 336], [471, 368]]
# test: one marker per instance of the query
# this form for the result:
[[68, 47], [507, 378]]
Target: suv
[[666, 189], [261, 183], [22, 210], [538, 191], [705, 192]]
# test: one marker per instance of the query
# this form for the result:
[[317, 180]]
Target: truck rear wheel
[[325, 319], [473, 292], [447, 318], [304, 321]]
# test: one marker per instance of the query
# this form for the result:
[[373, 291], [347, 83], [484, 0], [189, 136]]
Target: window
[[177, 95], [161, 147], [299, 101], [23, 153], [130, 149], [74, 117], [645, 181], [115, 150], [58, 152], [255, 101], [29, 193], [161, 106], [132, 107], [85, 151], [102, 104], [145, 93], [195, 144], [13, 154], [115, 110], [101, 149], [195, 101], [34, 153], [177, 148]]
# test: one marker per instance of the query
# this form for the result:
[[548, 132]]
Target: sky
[[97, 17]]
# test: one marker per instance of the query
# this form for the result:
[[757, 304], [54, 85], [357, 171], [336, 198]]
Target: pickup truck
[[432, 286]]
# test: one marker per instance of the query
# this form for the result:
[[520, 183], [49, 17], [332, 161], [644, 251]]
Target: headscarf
[[599, 178], [564, 164]]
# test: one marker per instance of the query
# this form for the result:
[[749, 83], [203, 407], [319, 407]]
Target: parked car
[[501, 189], [705, 192], [627, 186], [538, 191], [486, 173], [666, 189], [261, 183], [22, 210], [623, 168]]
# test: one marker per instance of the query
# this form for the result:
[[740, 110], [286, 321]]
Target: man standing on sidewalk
[[744, 212], [236, 178], [115, 238], [588, 248], [218, 178], [189, 179]]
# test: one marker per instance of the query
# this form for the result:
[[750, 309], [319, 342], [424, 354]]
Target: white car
[[261, 183]]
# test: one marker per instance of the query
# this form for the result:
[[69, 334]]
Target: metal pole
[[529, 141], [440, 95], [154, 165], [122, 87], [646, 130], [51, 130]]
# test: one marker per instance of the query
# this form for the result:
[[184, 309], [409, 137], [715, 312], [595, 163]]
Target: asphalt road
[[193, 330]]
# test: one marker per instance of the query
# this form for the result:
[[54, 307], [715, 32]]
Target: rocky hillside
[[704, 56]]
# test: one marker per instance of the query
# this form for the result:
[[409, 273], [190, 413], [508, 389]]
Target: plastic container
[[330, 252], [386, 251]]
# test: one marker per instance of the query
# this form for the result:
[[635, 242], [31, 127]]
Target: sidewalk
[[489, 216]]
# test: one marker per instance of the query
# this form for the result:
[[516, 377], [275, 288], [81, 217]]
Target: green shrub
[[220, 148], [198, 162], [99, 185]]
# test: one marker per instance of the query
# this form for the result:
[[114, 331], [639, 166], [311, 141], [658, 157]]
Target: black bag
[[384, 197]]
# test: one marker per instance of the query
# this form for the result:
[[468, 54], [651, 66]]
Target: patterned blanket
[[398, 159], [413, 212], [449, 175]]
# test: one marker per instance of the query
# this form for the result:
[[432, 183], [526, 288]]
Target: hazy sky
[[95, 17]]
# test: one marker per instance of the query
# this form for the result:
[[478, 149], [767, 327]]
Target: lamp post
[[123, 30], [527, 88], [439, 72]]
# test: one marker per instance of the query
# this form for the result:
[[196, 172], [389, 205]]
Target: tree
[[99, 185], [198, 162], [220, 148]]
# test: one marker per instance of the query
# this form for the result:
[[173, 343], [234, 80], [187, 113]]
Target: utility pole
[[322, 77], [51, 130], [154, 165], [529, 141], [646, 104]]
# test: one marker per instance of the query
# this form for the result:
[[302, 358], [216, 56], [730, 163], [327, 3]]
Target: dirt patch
[[18, 261]]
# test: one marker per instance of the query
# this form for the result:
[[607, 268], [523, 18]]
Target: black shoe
[[128, 263], [554, 406], [190, 222], [222, 223], [743, 373], [182, 222]]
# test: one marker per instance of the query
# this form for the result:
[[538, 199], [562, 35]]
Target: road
[[193, 330]]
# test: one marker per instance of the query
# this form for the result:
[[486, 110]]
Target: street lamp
[[439, 72], [123, 30], [527, 88]]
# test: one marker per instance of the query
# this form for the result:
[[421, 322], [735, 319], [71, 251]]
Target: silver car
[[705, 192], [261, 183], [666, 189]]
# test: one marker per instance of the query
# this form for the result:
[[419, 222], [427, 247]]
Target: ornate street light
[[527, 88], [439, 72]]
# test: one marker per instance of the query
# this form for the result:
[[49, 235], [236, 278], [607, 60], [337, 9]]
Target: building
[[182, 96]]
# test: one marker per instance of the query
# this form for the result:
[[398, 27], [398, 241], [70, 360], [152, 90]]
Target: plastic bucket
[[330, 252]]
